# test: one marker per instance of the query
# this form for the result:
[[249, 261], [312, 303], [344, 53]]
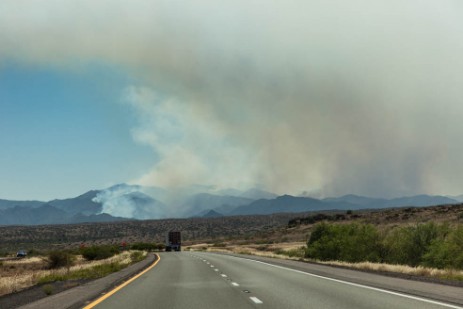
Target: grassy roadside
[[95, 270], [296, 251], [18, 275]]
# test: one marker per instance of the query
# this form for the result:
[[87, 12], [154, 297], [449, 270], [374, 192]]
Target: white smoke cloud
[[332, 97], [129, 201]]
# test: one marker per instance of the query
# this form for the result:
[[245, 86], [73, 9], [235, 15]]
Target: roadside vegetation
[[426, 245], [65, 265], [418, 249]]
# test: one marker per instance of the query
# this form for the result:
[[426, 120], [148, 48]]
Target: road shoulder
[[79, 296]]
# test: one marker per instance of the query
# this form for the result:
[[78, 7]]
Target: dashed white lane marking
[[212, 266], [256, 300], [235, 284], [223, 275], [216, 269]]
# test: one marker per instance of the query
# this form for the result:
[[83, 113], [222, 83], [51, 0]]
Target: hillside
[[238, 229]]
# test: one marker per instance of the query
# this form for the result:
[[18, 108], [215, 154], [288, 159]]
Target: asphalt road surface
[[207, 280]]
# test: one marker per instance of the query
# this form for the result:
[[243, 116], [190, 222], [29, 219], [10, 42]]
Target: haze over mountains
[[128, 202]]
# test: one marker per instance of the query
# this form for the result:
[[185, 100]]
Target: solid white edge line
[[256, 300], [361, 285]]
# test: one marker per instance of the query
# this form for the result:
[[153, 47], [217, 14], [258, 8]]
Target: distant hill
[[356, 200], [82, 204], [212, 214], [257, 194], [366, 202], [288, 203], [124, 202], [205, 201], [4, 204], [48, 214], [457, 197], [73, 210], [21, 215]]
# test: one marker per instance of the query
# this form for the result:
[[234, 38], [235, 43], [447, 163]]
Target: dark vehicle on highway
[[173, 241]]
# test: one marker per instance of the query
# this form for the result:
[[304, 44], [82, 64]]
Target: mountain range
[[129, 202]]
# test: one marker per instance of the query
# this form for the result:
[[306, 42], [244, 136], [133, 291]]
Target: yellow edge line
[[102, 298]]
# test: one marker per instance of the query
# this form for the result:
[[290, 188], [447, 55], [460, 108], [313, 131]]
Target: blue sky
[[63, 134]]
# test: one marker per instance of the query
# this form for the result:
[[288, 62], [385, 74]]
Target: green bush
[[408, 245], [448, 252], [347, 242], [57, 259], [99, 252], [429, 244]]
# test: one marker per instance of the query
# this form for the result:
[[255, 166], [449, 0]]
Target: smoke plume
[[328, 97]]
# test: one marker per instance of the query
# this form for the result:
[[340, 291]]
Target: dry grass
[[451, 274], [266, 250], [20, 274]]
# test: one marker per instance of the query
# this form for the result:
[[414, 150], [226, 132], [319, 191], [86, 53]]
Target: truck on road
[[173, 241]]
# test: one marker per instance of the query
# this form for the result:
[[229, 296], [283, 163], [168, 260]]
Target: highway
[[207, 280]]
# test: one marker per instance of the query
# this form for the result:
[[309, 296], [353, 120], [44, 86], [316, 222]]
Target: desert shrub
[[57, 259], [428, 244], [408, 245], [315, 218], [361, 243], [349, 242], [323, 243], [136, 256], [48, 289], [144, 246], [446, 252], [219, 245], [161, 246], [99, 252], [35, 252]]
